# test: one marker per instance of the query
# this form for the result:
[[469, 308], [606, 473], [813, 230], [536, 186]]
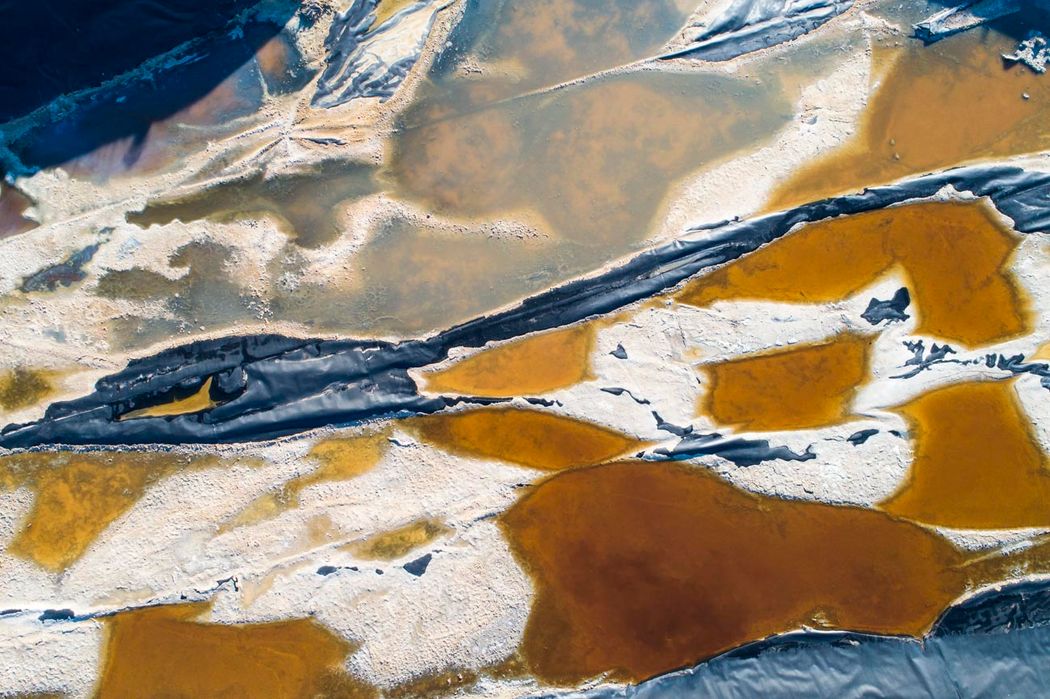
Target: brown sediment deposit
[[641, 568], [524, 437], [955, 255], [594, 160], [305, 204], [165, 652], [13, 205]]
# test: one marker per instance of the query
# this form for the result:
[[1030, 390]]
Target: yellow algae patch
[[1042, 353], [640, 568], [806, 386], [22, 387], [163, 652], [389, 8], [529, 366], [524, 437], [339, 459], [956, 257], [939, 105], [396, 543], [195, 403], [977, 463], [79, 495]]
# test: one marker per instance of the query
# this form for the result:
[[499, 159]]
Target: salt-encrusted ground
[[469, 609]]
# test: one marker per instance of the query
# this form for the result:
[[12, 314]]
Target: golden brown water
[[529, 366], [165, 652], [389, 545], [194, 403], [955, 256], [806, 386], [77, 496], [641, 568], [977, 463], [524, 437], [939, 106], [23, 387], [339, 459]]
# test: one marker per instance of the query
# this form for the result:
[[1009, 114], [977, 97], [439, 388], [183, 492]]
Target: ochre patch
[[78, 495], [939, 106], [641, 568], [806, 386], [22, 387], [195, 403], [524, 437], [955, 255], [340, 458], [977, 464], [530, 366], [395, 543]]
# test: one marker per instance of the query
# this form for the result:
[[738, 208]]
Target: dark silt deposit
[[889, 310], [994, 644], [270, 386], [65, 273], [742, 452]]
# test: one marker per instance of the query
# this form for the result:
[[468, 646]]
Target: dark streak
[[278, 386], [617, 391], [861, 436], [418, 566], [742, 452], [890, 310]]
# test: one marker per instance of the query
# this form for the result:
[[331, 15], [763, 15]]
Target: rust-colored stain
[[977, 463], [806, 386], [938, 106], [529, 366], [524, 437], [78, 495], [164, 652], [641, 568], [955, 255]]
